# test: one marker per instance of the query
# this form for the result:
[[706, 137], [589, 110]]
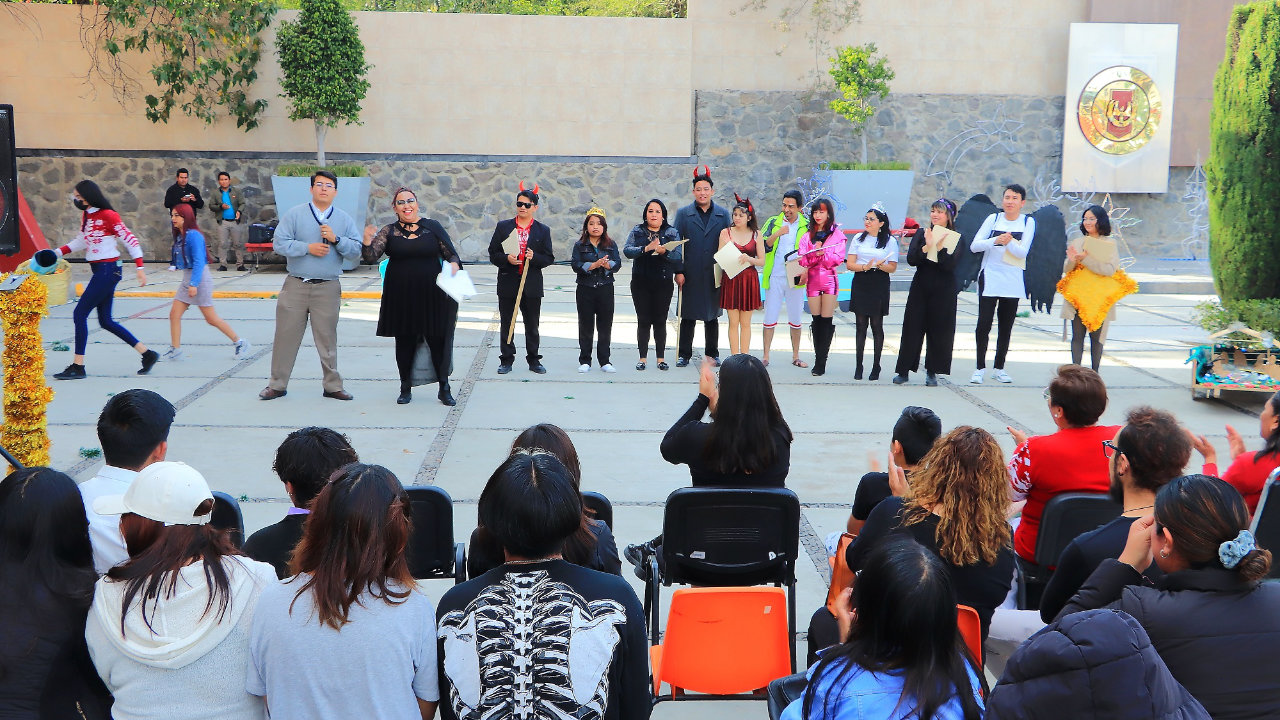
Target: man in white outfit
[[1004, 239], [782, 234]]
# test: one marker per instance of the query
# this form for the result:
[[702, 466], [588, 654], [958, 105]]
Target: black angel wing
[[1044, 262], [975, 210]]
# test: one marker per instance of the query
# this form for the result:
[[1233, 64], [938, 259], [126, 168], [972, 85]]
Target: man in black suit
[[535, 248]]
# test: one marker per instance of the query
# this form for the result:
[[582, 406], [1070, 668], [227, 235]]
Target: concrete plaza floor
[[616, 421]]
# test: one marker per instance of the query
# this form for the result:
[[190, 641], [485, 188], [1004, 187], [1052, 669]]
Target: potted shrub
[[862, 80]]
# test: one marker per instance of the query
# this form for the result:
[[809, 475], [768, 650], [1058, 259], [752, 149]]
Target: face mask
[[80, 204]]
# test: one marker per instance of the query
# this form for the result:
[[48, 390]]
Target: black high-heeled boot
[[406, 394], [823, 329], [445, 396]]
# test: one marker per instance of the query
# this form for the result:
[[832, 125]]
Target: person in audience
[[169, 629], [591, 545], [1149, 451], [304, 462], [595, 259], [46, 586], [1093, 665], [537, 636], [133, 430], [1069, 460], [1249, 470], [957, 506], [747, 443], [349, 635], [1211, 618], [901, 654], [913, 435], [653, 272]]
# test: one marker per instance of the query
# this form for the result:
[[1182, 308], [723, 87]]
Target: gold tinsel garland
[[1093, 295], [25, 433]]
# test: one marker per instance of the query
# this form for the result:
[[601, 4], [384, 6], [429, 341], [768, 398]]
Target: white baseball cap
[[167, 492]]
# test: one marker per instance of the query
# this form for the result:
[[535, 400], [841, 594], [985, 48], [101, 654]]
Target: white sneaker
[[1003, 376], [977, 376], [172, 353], [607, 367], [584, 368], [243, 348]]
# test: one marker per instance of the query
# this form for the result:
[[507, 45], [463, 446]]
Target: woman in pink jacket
[[822, 250]]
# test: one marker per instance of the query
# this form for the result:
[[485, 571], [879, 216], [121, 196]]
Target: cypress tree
[[1243, 169]]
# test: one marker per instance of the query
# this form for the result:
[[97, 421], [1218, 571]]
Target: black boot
[[823, 331], [406, 394], [446, 397]]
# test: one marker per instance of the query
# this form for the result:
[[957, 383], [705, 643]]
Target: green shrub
[[1261, 315], [301, 170], [869, 166], [1243, 169]]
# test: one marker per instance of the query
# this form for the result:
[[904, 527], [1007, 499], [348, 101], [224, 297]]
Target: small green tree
[[322, 60], [1243, 170], [862, 80]]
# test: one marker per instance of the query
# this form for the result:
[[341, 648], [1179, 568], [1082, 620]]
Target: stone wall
[[757, 144]]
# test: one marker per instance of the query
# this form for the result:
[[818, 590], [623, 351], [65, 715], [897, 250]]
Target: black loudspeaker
[[8, 184]]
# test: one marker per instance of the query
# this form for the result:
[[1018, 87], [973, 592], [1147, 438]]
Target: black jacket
[[175, 193], [1217, 633], [1098, 665], [650, 268], [508, 274], [584, 254], [275, 543]]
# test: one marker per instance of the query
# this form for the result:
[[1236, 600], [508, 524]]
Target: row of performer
[[706, 260]]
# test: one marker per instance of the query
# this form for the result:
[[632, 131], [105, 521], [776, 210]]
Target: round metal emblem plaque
[[1119, 110]]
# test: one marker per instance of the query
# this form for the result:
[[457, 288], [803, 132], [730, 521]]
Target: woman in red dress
[[740, 295]]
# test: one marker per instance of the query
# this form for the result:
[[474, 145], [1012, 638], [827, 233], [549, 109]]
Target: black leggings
[[652, 302], [1078, 331], [1006, 310], [407, 347], [877, 335]]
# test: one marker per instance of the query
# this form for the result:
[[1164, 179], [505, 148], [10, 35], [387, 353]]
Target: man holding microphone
[[314, 239]]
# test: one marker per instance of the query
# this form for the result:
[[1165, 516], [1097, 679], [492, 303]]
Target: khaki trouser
[[230, 242], [299, 301]]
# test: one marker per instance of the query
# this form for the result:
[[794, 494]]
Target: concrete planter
[[860, 189], [352, 198]]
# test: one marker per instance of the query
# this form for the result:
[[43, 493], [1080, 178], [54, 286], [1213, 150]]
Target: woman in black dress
[[873, 255], [931, 303], [414, 310]]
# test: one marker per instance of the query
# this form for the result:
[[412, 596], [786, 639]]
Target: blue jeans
[[98, 295]]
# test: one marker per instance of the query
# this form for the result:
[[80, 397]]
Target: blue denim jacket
[[866, 695], [189, 254]]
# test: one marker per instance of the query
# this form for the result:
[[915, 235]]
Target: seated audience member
[[1211, 618], [592, 546], [349, 635], [746, 444], [1249, 470], [1149, 451], [901, 655], [134, 432], [1093, 665], [46, 585], [304, 461], [914, 433], [1069, 460], [169, 628], [539, 637]]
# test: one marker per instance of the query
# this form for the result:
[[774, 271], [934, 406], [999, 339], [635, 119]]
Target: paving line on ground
[[426, 474], [185, 400]]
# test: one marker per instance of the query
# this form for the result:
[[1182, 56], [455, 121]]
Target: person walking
[[196, 287], [314, 238]]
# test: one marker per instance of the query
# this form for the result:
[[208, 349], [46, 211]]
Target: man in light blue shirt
[[226, 205], [314, 239]]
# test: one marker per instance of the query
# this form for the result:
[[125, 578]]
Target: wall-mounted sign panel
[[1119, 108]]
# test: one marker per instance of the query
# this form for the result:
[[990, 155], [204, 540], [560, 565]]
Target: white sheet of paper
[[1014, 260], [950, 239], [1103, 251], [727, 258], [671, 246], [511, 245], [458, 286]]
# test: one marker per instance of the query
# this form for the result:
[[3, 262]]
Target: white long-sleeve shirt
[[999, 278]]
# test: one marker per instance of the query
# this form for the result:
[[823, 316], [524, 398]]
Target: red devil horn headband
[[535, 187], [702, 171]]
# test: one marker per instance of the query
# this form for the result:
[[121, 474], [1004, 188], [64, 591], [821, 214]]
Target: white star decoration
[[983, 135], [1119, 221], [1196, 202], [999, 130]]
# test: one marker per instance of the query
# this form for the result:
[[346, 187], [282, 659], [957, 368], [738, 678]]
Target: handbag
[[795, 271]]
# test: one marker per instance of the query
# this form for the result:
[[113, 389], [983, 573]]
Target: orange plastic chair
[[971, 630], [841, 575], [722, 641]]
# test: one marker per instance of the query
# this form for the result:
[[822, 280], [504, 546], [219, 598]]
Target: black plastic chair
[[727, 537], [1266, 520], [432, 553], [598, 507], [227, 516], [784, 691], [1065, 517]]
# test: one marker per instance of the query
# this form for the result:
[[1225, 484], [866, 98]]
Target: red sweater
[[1249, 476], [1069, 460]]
